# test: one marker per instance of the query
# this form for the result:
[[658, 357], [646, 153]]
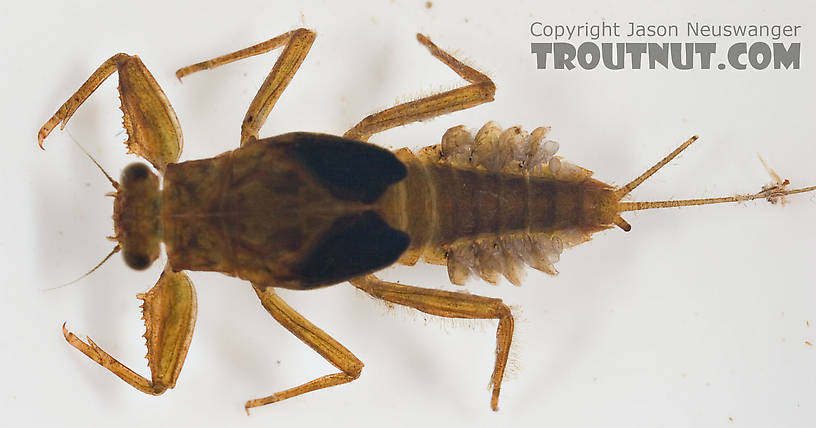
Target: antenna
[[115, 248], [113, 182], [114, 251]]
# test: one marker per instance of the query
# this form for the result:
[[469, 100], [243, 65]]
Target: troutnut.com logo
[[691, 46]]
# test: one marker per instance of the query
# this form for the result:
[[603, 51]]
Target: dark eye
[[135, 172], [136, 260]]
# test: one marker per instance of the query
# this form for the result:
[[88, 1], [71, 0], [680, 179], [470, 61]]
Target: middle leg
[[297, 42], [330, 349]]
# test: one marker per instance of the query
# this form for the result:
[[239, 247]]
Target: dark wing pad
[[351, 170], [353, 246]]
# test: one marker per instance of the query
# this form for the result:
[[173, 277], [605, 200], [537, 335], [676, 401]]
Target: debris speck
[[428, 5], [808, 343]]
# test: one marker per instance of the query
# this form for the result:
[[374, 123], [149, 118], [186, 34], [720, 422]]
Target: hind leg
[[451, 305], [480, 90]]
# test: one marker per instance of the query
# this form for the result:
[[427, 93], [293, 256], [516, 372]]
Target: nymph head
[[136, 216]]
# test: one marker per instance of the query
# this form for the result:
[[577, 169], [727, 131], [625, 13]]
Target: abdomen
[[491, 222]]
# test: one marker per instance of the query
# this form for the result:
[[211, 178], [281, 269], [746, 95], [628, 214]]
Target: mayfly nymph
[[308, 210]]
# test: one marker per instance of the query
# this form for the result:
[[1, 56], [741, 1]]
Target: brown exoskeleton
[[307, 210]]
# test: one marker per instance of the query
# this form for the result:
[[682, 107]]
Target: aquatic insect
[[307, 210]]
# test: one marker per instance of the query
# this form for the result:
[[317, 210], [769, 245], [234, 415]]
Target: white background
[[696, 316]]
